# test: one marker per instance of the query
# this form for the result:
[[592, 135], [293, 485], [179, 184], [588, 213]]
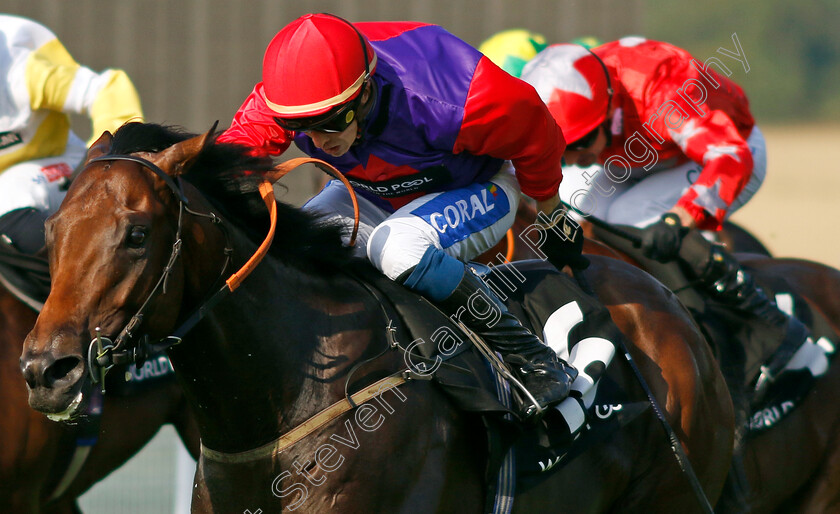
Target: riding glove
[[661, 241], [563, 242]]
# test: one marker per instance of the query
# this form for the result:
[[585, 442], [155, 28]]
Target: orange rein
[[266, 189], [285, 167], [511, 247], [267, 193]]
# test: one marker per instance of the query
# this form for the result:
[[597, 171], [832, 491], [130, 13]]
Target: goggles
[[584, 142], [333, 121]]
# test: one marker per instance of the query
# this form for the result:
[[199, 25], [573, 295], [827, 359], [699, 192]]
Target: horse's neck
[[273, 353]]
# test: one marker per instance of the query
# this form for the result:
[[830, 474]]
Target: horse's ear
[[100, 147], [178, 158]]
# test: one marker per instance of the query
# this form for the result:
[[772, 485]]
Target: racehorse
[[36, 453], [147, 228], [804, 476]]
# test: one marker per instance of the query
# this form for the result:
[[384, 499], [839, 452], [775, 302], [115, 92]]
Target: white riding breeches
[[38, 183], [646, 196], [464, 223]]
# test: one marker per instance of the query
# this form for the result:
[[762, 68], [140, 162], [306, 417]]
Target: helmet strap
[[365, 108]]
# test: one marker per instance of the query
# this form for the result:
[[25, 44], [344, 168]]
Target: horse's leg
[[68, 506], [186, 426]]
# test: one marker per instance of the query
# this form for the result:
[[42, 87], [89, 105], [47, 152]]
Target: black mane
[[227, 175]]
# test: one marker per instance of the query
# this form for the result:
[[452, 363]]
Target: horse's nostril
[[28, 375], [60, 369]]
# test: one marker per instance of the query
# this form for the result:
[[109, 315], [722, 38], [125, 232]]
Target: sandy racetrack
[[797, 209]]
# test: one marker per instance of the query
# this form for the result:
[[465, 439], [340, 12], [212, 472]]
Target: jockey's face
[[588, 156], [335, 144], [338, 143]]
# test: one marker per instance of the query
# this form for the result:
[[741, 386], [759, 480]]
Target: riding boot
[[23, 229], [547, 377], [464, 297], [722, 276]]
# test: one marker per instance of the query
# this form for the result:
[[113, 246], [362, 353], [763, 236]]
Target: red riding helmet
[[573, 82], [314, 64]]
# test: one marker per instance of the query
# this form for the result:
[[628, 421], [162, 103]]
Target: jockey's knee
[[24, 229], [393, 248]]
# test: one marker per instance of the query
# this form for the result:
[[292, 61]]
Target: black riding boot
[[547, 377], [726, 281]]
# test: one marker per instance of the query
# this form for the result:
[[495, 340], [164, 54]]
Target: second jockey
[[677, 151], [42, 85]]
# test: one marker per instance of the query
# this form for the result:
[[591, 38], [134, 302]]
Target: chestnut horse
[[36, 453], [135, 234]]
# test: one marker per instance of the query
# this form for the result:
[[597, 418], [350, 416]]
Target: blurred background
[[194, 62]]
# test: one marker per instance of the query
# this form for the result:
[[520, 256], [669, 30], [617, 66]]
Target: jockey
[[437, 141], [42, 85], [677, 150]]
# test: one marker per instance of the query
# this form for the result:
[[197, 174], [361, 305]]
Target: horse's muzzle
[[53, 383]]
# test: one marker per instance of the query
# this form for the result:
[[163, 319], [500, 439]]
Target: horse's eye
[[137, 236]]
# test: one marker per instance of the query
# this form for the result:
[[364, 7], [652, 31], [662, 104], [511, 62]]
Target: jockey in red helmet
[[678, 149], [437, 141]]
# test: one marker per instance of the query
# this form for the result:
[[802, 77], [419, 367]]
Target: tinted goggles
[[586, 141], [336, 120]]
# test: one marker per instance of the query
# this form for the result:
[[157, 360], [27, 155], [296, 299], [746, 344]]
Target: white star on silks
[[689, 130], [708, 198], [715, 151]]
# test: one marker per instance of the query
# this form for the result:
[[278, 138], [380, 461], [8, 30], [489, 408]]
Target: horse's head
[[111, 250]]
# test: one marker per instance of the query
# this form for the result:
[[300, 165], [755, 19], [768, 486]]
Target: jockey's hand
[[563, 243], [661, 241]]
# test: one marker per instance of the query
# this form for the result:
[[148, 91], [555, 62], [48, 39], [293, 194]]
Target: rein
[[103, 353]]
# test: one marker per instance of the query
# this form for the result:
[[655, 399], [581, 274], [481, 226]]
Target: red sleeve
[[714, 142], [505, 118], [253, 125], [678, 110]]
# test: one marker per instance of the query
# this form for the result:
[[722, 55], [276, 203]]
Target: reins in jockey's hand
[[562, 239], [661, 241]]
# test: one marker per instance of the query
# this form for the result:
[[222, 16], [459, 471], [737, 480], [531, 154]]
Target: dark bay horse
[[36, 453], [136, 236]]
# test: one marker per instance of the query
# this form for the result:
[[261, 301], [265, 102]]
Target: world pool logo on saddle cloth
[[455, 215]]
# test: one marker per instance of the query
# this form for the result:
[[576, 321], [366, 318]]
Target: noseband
[[103, 353]]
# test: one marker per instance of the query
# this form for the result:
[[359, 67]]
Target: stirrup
[[767, 374], [762, 384]]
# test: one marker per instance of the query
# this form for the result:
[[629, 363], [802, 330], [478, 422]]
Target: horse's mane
[[226, 174]]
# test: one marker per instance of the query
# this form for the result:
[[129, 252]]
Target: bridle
[[103, 353]]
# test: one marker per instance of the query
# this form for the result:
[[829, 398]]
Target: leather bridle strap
[[154, 168], [115, 353], [230, 285], [309, 426]]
